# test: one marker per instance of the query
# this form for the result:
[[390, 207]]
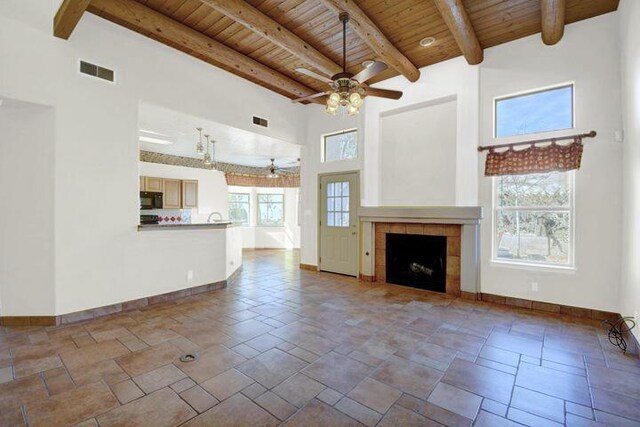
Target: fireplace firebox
[[418, 261]]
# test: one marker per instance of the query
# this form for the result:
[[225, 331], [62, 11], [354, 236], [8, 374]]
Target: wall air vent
[[97, 71], [260, 122]]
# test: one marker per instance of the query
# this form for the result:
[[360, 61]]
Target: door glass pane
[[345, 188], [338, 204]]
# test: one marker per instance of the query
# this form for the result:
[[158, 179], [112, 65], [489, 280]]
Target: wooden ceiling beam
[[458, 22], [68, 16], [371, 35], [553, 16], [245, 14], [148, 22]]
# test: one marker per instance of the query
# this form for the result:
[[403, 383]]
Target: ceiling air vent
[[260, 122], [97, 71]]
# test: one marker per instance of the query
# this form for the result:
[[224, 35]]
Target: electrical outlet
[[190, 276], [534, 286]]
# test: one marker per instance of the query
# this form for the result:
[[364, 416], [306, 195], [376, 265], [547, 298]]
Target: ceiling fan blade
[[370, 71], [314, 75], [383, 93], [310, 97]]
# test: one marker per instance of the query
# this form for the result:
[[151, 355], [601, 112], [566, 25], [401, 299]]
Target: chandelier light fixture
[[348, 90]]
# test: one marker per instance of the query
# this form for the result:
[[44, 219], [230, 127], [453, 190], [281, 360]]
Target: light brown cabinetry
[[189, 194], [153, 184], [176, 193], [171, 193]]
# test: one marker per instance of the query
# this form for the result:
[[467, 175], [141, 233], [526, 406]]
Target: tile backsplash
[[170, 216]]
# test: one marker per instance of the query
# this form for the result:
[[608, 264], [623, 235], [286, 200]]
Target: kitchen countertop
[[196, 226]]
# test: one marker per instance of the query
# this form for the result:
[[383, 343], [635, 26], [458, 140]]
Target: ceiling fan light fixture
[[427, 41], [352, 110], [356, 100]]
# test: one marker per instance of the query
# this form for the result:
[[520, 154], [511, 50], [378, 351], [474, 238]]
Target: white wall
[[629, 35], [212, 187], [319, 123], [100, 257], [259, 237], [528, 64], [26, 209], [418, 155], [446, 80]]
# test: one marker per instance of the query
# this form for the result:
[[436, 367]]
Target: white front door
[[339, 200]]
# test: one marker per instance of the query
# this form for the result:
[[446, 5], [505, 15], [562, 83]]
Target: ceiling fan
[[272, 169], [348, 90]]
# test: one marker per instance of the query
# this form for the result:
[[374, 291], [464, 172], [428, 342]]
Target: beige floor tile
[[226, 384], [234, 412], [161, 408]]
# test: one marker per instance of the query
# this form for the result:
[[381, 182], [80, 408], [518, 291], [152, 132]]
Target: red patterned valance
[[534, 159]]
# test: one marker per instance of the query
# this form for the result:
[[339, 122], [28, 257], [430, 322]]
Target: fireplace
[[457, 226], [416, 260]]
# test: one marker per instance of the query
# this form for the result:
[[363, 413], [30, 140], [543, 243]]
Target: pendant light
[[207, 156], [199, 145]]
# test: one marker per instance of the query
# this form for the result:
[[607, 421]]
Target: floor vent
[[260, 122], [97, 71]]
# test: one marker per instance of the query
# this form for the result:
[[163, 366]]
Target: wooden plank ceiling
[[403, 22]]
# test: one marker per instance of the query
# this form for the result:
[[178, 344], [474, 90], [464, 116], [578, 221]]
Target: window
[[239, 208], [533, 218], [338, 204], [271, 210], [540, 111], [340, 146]]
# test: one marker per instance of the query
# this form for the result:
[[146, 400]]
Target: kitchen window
[[340, 146], [534, 219], [543, 110], [271, 210], [239, 208]]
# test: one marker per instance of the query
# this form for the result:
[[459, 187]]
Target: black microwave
[[150, 200]]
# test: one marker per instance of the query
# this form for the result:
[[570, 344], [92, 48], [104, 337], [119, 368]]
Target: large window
[[340, 146], [239, 208], [271, 210], [533, 112], [533, 218]]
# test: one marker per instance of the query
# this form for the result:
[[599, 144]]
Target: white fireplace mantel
[[467, 216], [432, 214]]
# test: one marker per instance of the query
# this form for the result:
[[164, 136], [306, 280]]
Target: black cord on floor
[[617, 330]]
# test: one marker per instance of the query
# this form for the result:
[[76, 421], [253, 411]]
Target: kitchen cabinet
[[189, 193], [172, 191], [153, 184]]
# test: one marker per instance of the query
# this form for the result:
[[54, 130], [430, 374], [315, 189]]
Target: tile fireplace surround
[[459, 224]]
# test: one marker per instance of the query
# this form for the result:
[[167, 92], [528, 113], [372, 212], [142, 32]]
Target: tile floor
[[300, 348]]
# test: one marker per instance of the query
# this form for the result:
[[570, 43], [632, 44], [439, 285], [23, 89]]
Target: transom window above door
[[340, 146], [338, 204]]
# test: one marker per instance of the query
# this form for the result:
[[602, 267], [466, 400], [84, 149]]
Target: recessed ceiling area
[[233, 145]]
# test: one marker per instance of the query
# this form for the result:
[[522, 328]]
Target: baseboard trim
[[366, 278], [123, 307], [137, 304], [308, 267], [28, 320], [585, 313]]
